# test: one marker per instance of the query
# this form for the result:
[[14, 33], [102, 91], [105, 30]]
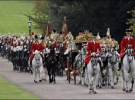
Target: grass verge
[[10, 91]]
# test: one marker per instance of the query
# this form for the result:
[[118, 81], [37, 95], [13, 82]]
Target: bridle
[[112, 52]]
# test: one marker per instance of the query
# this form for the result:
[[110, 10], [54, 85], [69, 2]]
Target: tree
[[131, 20], [95, 15]]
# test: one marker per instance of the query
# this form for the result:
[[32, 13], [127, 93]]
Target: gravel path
[[62, 89]]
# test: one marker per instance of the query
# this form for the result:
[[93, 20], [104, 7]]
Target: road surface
[[62, 89]]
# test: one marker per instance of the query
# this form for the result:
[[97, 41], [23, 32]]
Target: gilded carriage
[[84, 37]]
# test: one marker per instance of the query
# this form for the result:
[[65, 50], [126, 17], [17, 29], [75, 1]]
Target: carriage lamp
[[29, 25]]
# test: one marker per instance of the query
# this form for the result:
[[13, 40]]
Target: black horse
[[18, 59], [51, 62], [24, 58], [61, 62], [13, 59]]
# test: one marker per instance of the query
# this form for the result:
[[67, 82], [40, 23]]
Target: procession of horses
[[65, 55]]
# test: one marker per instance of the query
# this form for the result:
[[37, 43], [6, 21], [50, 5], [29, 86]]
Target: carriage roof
[[83, 38]]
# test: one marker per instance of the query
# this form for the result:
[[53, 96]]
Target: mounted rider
[[113, 43], [92, 46], [126, 41], [36, 45], [104, 42], [68, 41]]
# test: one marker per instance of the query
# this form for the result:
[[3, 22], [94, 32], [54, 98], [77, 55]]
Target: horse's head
[[52, 51], [37, 56], [129, 50], [95, 58], [104, 53], [52, 57], [111, 51], [83, 50]]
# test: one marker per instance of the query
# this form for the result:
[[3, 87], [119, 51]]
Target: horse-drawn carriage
[[76, 55]]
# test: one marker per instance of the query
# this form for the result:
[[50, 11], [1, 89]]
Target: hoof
[[90, 91], [123, 89], [40, 80], [112, 87], [131, 90], [100, 86], [103, 84], [127, 91], [115, 83], [94, 92], [35, 81]]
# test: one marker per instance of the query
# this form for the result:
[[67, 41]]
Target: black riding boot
[[84, 66], [120, 64], [119, 67], [30, 63]]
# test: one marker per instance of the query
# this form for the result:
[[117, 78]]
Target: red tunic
[[92, 47], [35, 46], [125, 41]]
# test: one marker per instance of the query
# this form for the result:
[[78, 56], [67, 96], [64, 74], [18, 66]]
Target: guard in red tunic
[[92, 46], [36, 45], [125, 41]]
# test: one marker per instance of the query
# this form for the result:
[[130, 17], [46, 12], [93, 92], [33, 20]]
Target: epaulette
[[125, 36]]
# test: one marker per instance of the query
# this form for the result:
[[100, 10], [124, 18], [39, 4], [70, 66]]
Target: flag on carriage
[[64, 27], [48, 30]]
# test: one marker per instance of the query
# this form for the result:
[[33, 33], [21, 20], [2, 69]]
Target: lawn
[[10, 91], [11, 16]]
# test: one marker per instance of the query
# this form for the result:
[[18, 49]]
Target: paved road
[[62, 89]]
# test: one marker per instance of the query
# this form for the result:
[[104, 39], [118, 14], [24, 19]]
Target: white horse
[[104, 69], [79, 60], [37, 66], [113, 63], [93, 70], [128, 66]]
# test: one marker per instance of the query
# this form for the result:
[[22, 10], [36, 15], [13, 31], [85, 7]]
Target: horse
[[93, 70], [79, 60], [113, 63], [104, 56], [128, 66], [51, 63], [13, 57], [24, 58], [37, 66], [18, 57], [62, 61]]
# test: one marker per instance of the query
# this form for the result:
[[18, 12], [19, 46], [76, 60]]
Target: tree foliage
[[131, 20], [40, 16], [95, 15]]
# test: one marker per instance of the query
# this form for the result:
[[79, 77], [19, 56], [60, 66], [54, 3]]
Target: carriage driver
[[36, 45], [125, 41], [92, 46]]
